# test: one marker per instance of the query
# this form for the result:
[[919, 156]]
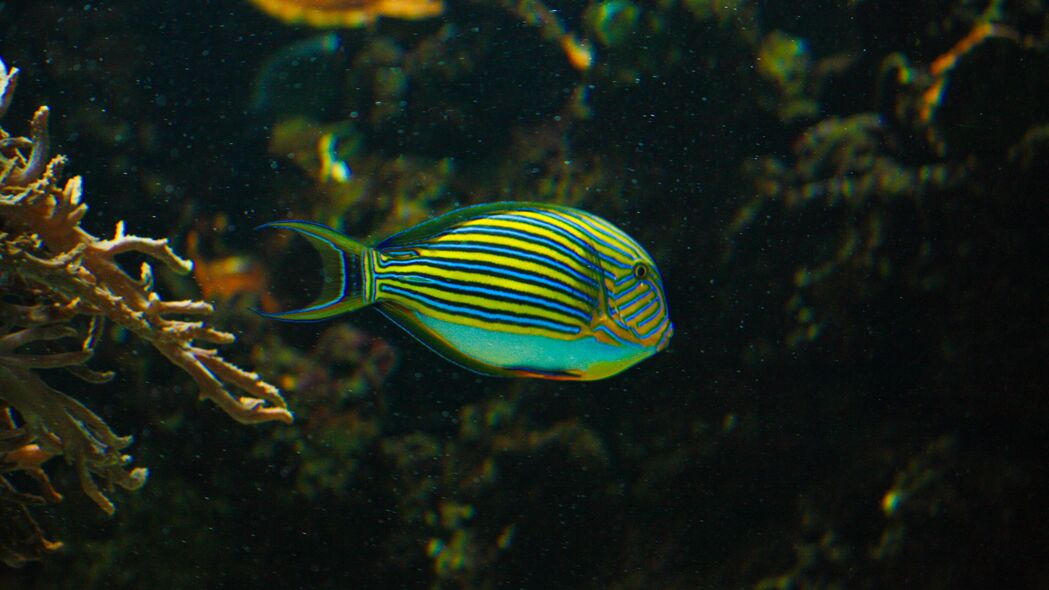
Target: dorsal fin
[[436, 225]]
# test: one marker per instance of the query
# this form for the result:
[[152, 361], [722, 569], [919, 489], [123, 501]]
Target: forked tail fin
[[344, 279]]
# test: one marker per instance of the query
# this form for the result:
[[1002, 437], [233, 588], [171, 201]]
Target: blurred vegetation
[[845, 200]]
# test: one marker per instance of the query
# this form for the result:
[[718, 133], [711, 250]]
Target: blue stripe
[[574, 222], [625, 278], [513, 233], [618, 319], [617, 237], [638, 312], [657, 327], [648, 319], [613, 335], [629, 291], [562, 287], [665, 332], [554, 305], [508, 251], [561, 231], [498, 317], [632, 301]]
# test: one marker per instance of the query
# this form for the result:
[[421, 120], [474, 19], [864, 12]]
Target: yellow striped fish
[[505, 289]]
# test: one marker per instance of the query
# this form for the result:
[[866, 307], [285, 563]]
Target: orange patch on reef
[[943, 64], [347, 13], [229, 276], [30, 456], [579, 53]]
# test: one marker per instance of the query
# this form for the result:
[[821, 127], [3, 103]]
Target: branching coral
[[57, 281]]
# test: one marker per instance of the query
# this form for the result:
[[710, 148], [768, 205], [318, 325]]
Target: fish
[[506, 289], [297, 79]]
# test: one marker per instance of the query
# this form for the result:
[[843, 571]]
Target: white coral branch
[[8, 81], [38, 156]]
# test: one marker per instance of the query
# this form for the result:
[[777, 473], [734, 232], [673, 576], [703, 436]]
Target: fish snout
[[664, 341]]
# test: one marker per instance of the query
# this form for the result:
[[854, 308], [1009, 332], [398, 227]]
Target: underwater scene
[[532, 294]]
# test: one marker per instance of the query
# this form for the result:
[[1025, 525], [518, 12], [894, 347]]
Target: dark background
[[856, 393]]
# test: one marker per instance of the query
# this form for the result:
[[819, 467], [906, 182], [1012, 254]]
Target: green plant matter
[[786, 62]]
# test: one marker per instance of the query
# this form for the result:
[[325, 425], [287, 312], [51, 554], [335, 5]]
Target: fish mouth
[[664, 341]]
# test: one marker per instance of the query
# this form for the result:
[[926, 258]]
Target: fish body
[[508, 289]]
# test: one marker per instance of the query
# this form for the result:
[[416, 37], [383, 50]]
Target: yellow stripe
[[553, 218], [415, 305], [487, 304], [518, 244], [555, 221], [421, 269], [624, 242], [617, 256], [522, 266], [625, 311]]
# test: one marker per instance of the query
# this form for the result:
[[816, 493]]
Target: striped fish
[[505, 289]]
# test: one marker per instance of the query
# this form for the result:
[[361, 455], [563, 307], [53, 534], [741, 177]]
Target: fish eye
[[640, 271]]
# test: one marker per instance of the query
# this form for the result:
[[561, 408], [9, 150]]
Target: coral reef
[[462, 494], [909, 228], [872, 176], [339, 388], [61, 282], [847, 203], [852, 168]]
